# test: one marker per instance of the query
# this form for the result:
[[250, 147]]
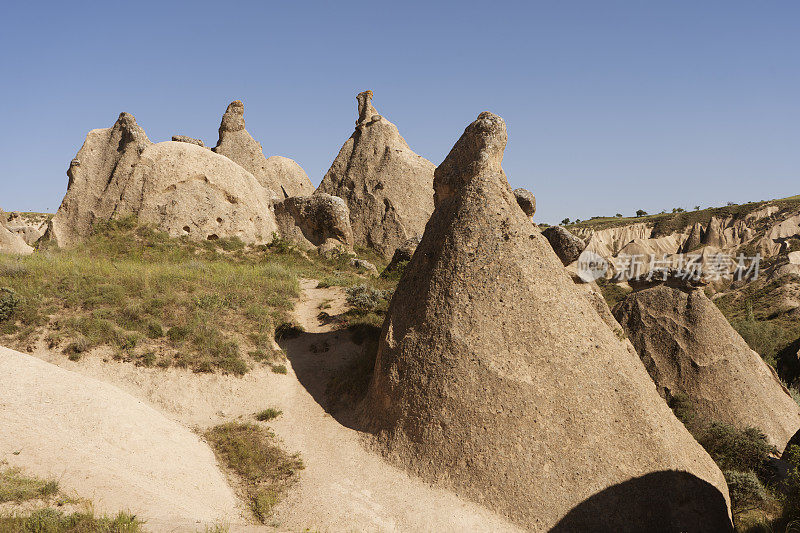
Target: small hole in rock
[[219, 220], [213, 237], [187, 229]]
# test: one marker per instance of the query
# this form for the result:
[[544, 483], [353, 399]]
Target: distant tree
[[697, 208], [565, 222], [577, 221], [731, 203], [641, 213], [678, 210], [618, 215]]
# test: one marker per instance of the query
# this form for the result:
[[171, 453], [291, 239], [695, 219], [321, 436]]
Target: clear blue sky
[[611, 106]]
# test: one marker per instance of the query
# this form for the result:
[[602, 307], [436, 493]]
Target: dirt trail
[[344, 487]]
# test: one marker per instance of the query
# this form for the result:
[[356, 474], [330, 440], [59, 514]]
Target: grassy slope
[[153, 300]]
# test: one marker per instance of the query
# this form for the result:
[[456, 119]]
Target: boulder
[[185, 139], [311, 221], [388, 188], [280, 175], [496, 378], [371, 269], [689, 348], [567, 246], [180, 187], [99, 171], [403, 254], [526, 200]]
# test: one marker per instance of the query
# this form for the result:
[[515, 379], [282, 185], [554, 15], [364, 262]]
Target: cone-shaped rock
[[281, 175], [102, 167], [496, 378], [690, 348], [182, 188], [386, 185]]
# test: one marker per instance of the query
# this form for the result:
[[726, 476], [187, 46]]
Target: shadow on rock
[[640, 505]]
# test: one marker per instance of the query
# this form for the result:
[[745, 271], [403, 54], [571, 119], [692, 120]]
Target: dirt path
[[345, 487]]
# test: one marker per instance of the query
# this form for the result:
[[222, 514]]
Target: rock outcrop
[[100, 171], [185, 139], [316, 220], [280, 175], [567, 246], [11, 242], [180, 187], [526, 200], [495, 377], [387, 187], [403, 254], [689, 348]]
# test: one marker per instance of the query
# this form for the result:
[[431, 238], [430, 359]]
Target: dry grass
[[17, 487], [153, 300], [264, 469], [54, 521]]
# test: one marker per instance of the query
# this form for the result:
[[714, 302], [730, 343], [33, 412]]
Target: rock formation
[[526, 200], [567, 246], [387, 187], [404, 253], [496, 378], [100, 170], [11, 242], [689, 348], [282, 176], [185, 139], [316, 220], [182, 188]]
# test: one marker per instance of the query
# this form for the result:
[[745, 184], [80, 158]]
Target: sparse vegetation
[[54, 521], [17, 487], [264, 469], [268, 414], [139, 294]]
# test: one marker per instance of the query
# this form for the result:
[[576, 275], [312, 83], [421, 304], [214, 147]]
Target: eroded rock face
[[526, 200], [387, 187], [495, 377], [185, 139], [97, 174], [11, 242], [280, 175], [689, 348], [181, 187], [404, 253], [311, 221], [567, 246]]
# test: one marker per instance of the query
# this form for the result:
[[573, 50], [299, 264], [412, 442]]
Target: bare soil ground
[[344, 486]]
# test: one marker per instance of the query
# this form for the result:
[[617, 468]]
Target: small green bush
[[736, 449], [745, 489], [364, 298], [279, 369], [9, 302], [268, 414], [288, 330]]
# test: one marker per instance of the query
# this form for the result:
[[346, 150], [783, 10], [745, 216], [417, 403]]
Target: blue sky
[[611, 106]]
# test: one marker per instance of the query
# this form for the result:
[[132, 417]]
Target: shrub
[[288, 330], [734, 449], [279, 369], [365, 298], [16, 487], [745, 489], [9, 302], [268, 414]]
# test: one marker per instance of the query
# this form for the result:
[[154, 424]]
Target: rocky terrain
[[200, 340]]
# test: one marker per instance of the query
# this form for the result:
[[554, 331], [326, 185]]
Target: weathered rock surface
[[526, 200], [11, 242], [404, 253], [185, 139], [388, 188], [282, 176], [180, 187], [187, 190], [311, 221], [100, 171], [689, 348], [567, 246], [495, 377]]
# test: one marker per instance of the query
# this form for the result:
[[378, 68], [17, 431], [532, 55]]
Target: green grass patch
[[54, 521], [133, 289], [268, 414], [17, 487], [265, 470]]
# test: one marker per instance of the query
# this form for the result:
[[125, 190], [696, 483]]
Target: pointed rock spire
[[280, 175], [387, 187], [495, 377]]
